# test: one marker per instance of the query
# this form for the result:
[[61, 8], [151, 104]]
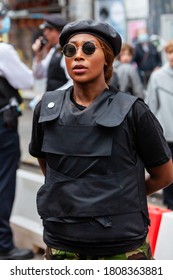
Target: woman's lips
[[79, 69]]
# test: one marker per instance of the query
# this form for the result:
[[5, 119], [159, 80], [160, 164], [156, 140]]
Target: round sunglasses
[[70, 49]]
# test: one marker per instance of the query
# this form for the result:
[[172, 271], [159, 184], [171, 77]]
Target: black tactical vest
[[7, 92], [56, 75], [99, 132]]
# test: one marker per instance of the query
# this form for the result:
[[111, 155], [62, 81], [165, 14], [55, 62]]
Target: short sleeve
[[150, 141]]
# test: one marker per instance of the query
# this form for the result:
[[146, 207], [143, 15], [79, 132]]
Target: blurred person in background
[[14, 75], [48, 59], [146, 56], [159, 96], [93, 144], [128, 79]]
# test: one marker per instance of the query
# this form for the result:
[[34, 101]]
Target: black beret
[[53, 21], [99, 29]]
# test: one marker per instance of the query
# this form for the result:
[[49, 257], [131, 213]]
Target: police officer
[[93, 143], [14, 75], [48, 61]]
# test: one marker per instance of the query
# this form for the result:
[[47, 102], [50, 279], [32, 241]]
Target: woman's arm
[[159, 177], [42, 163]]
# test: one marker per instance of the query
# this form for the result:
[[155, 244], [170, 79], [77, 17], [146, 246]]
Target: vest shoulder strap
[[51, 104], [119, 107]]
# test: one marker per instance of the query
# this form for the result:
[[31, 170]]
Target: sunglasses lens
[[69, 50], [88, 48]]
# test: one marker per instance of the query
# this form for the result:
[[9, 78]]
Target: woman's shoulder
[[141, 110]]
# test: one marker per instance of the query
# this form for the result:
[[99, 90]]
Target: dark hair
[[109, 57]]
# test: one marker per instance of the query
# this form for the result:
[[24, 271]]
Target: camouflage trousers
[[141, 253]]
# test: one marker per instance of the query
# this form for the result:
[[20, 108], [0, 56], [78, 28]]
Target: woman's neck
[[86, 94]]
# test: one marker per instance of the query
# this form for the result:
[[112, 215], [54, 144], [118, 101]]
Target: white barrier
[[164, 244], [25, 220]]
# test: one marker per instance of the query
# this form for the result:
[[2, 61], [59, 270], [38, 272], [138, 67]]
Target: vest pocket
[[77, 140], [63, 196], [124, 227]]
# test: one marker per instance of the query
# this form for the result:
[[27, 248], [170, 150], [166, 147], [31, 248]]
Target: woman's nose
[[79, 53]]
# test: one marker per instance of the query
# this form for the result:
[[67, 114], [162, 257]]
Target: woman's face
[[84, 68]]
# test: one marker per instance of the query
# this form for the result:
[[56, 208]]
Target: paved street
[[27, 161], [25, 121], [25, 126]]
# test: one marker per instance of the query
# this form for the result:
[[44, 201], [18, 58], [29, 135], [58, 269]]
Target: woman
[[92, 144]]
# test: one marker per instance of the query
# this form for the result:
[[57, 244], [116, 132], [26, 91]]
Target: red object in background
[[155, 214]]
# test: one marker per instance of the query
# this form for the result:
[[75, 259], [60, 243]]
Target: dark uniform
[[55, 75], [52, 69], [10, 153], [93, 202], [9, 149]]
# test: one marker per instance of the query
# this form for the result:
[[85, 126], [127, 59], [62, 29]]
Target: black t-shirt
[[152, 148]]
